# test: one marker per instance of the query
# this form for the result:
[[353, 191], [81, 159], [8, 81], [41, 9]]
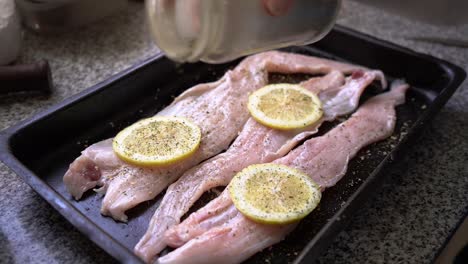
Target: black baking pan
[[41, 148]]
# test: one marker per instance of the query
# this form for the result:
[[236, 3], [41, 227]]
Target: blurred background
[[31, 231]]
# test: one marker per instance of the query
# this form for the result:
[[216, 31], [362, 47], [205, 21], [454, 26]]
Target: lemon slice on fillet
[[274, 194], [157, 140], [285, 106]]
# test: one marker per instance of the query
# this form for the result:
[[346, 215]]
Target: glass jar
[[217, 31], [10, 32]]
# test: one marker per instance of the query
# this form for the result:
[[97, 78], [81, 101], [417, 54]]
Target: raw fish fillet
[[218, 233], [255, 144], [219, 108]]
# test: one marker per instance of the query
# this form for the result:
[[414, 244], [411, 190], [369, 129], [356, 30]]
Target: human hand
[[277, 7]]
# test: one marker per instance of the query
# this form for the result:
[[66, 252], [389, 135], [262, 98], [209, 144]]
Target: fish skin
[[255, 144], [324, 159], [277, 62], [125, 185]]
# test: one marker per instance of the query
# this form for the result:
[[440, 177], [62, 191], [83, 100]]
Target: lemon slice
[[157, 141], [285, 106], [274, 194]]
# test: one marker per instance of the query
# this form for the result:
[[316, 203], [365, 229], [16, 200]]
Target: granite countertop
[[406, 222]]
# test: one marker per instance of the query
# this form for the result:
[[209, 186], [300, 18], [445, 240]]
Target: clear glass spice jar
[[217, 31]]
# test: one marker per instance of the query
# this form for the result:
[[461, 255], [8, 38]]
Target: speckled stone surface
[[406, 221]]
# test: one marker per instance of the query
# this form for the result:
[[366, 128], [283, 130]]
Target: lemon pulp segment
[[274, 194], [157, 140]]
